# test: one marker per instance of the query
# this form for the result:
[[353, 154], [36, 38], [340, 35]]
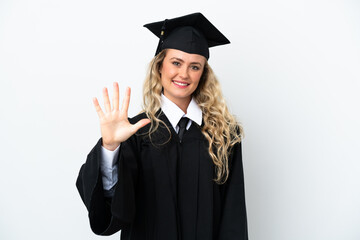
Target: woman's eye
[[195, 67], [176, 63]]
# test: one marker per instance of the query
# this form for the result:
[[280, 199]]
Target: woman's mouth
[[180, 84]]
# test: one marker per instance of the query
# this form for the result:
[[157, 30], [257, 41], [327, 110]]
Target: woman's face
[[180, 75]]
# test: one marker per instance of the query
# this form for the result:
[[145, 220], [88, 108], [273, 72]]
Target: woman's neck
[[182, 103]]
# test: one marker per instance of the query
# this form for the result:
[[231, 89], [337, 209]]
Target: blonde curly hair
[[220, 127]]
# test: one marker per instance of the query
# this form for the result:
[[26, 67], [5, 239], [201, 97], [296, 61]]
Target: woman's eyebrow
[[180, 60]]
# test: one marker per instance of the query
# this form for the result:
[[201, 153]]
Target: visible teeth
[[181, 84]]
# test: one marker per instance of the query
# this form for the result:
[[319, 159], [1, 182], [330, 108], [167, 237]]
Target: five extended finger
[[141, 123], [116, 96], [98, 108], [126, 101], [106, 100]]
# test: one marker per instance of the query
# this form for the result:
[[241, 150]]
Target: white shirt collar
[[174, 113]]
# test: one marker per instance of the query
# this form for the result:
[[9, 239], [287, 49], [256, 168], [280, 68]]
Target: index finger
[[126, 101]]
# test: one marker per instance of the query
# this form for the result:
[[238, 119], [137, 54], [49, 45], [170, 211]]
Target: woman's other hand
[[114, 124]]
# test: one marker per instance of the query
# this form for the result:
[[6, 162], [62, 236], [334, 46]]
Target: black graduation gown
[[166, 192]]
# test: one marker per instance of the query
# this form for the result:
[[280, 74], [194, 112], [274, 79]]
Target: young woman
[[175, 170]]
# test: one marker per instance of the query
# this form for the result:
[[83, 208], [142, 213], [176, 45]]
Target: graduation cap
[[191, 33]]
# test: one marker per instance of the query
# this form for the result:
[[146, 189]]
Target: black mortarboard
[[191, 33]]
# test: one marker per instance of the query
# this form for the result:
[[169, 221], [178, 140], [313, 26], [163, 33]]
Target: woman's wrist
[[110, 146]]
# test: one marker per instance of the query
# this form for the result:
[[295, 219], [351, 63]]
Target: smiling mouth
[[181, 84]]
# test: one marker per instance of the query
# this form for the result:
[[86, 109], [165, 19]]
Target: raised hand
[[114, 124]]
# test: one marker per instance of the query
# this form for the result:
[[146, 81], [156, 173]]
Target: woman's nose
[[183, 72]]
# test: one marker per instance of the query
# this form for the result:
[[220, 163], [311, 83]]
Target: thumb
[[141, 123]]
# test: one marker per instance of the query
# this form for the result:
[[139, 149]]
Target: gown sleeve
[[107, 218], [234, 221]]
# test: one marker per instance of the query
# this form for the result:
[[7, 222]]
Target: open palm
[[114, 124]]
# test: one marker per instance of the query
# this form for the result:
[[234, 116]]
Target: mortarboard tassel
[[161, 40]]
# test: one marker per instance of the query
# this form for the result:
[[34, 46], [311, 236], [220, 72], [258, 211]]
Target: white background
[[291, 76]]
